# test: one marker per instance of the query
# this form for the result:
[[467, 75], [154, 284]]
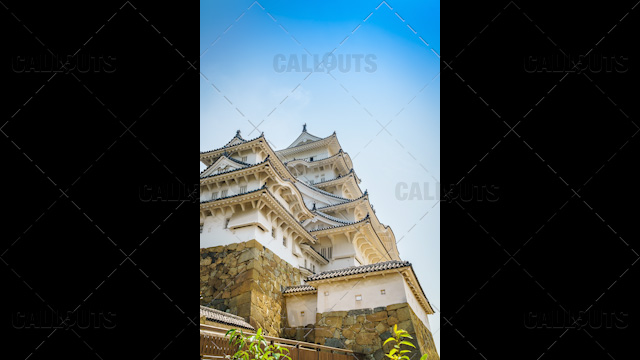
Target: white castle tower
[[303, 206]]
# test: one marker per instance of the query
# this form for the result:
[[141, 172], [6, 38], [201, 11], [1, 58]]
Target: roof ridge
[[354, 270], [365, 193], [228, 146]]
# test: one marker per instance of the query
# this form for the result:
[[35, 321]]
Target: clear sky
[[381, 96]]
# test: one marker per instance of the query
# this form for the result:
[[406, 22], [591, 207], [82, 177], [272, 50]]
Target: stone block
[[337, 343], [396, 306], [349, 320], [335, 313], [380, 328], [403, 314], [378, 316], [333, 321], [323, 332], [349, 334], [365, 338], [248, 254], [360, 312]]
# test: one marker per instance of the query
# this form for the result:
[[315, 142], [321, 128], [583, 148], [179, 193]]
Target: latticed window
[[327, 252], [243, 189], [223, 193], [201, 226], [284, 241], [244, 159], [214, 195]]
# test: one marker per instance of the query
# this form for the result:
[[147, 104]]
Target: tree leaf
[[386, 341], [407, 343]]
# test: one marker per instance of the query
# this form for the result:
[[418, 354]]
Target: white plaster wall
[[316, 153], [342, 293], [214, 234], [310, 196], [340, 263], [234, 189], [298, 303], [415, 305]]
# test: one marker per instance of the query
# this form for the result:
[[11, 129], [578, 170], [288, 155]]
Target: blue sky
[[387, 116]]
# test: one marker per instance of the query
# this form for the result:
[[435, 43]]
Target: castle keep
[[291, 244]]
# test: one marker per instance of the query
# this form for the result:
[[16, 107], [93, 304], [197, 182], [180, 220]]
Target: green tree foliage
[[398, 337], [254, 347]]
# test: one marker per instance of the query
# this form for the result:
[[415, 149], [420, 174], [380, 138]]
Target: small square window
[[382, 292], [358, 297], [326, 293]]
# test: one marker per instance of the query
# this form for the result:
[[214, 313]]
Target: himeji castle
[[290, 243]]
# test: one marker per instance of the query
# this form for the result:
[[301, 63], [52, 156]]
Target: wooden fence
[[213, 345]]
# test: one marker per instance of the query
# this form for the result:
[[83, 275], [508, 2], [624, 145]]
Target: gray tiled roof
[[298, 288], [353, 270], [224, 318]]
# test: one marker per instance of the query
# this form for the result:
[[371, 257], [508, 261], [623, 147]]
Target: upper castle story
[[303, 202]]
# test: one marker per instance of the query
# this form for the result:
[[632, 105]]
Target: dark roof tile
[[354, 270]]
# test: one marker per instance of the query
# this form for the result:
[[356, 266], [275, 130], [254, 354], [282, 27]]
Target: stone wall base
[[247, 279], [364, 331]]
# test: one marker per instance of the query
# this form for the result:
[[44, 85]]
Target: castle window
[[201, 226], [305, 263], [311, 158], [273, 232], [226, 223], [382, 292], [244, 159], [301, 313], [243, 189], [313, 267], [327, 252], [326, 293], [322, 178], [284, 241], [358, 297], [214, 195], [223, 193], [311, 181]]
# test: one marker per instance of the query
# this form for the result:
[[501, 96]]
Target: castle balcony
[[306, 272]]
